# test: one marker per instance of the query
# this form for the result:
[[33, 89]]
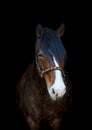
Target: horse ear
[[39, 30], [60, 31]]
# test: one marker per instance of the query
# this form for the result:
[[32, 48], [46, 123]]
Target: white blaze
[[58, 89]]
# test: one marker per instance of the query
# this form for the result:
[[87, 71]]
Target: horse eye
[[40, 56]]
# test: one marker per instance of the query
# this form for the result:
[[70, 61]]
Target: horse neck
[[40, 82]]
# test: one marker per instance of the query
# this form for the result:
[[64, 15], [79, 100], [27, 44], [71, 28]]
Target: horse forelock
[[51, 43]]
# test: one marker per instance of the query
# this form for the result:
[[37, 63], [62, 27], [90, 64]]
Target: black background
[[20, 25]]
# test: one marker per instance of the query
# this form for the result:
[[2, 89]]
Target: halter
[[42, 72]]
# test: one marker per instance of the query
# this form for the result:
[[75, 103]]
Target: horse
[[44, 91]]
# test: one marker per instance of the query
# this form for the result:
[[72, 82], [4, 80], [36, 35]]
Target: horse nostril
[[53, 91]]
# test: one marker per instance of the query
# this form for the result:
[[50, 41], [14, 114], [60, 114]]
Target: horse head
[[50, 57]]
